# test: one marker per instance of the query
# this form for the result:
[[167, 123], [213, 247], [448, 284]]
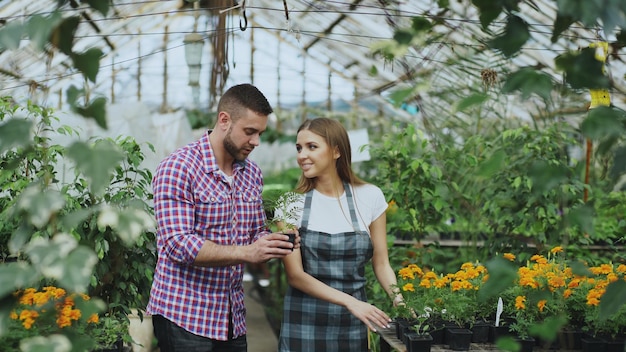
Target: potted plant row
[[544, 289]]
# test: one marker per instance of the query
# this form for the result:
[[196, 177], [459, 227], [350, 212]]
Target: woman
[[342, 225]]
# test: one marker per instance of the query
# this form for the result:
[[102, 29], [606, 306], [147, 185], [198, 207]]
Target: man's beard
[[232, 149]]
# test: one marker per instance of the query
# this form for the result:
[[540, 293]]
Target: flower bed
[[48, 316], [545, 290]]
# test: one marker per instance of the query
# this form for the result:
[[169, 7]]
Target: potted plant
[[111, 334], [419, 338]]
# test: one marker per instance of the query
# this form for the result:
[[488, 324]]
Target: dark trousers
[[173, 338]]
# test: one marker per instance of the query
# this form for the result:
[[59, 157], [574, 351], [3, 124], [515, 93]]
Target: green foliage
[[60, 231], [517, 198], [54, 33], [412, 180]]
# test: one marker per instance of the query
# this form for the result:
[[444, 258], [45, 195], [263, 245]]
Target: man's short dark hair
[[244, 96]]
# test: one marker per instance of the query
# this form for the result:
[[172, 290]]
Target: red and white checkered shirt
[[194, 202]]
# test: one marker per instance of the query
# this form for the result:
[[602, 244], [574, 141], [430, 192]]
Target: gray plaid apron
[[338, 260]]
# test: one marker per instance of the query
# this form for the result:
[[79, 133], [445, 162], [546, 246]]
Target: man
[[210, 218]]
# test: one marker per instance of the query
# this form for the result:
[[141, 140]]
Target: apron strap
[[307, 208]]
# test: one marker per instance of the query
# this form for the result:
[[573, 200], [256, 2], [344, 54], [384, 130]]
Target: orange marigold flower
[[64, 321], [528, 281], [425, 283], [621, 269], [40, 298], [416, 270], [541, 304], [556, 281], [430, 275], [408, 287], [574, 283], [95, 319], [440, 283], [520, 302], [556, 250], [406, 274], [509, 256], [593, 301], [567, 293], [466, 266]]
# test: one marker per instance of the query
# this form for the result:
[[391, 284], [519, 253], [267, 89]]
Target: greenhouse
[[155, 153]]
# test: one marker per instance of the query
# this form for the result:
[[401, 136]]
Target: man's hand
[[274, 245]]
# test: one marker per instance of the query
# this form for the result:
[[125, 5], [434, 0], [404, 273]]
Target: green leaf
[[472, 100], [19, 238], [97, 163], [40, 206], [603, 122], [40, 28], [561, 24], [529, 81], [489, 11], [515, 35], [78, 268], [400, 95], [403, 36], [493, 165], [586, 11], [62, 35], [129, 222], [579, 268], [96, 110], [15, 133], [421, 24], [54, 342], [11, 35], [546, 177], [549, 328], [99, 5], [502, 275], [73, 93], [613, 299], [619, 163], [582, 216], [15, 276], [583, 70], [75, 218], [88, 63]]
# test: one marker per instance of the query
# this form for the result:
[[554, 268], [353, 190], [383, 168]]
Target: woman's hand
[[373, 317]]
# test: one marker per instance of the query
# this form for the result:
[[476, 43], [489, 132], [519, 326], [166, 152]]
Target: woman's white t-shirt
[[328, 216]]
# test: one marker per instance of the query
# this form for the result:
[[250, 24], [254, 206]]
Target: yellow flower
[[539, 259], [541, 305], [33, 305], [93, 319], [408, 287], [509, 256], [520, 302], [556, 250], [406, 274]]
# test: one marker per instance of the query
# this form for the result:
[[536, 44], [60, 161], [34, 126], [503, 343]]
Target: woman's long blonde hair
[[335, 136]]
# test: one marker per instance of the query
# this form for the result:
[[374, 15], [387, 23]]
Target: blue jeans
[[173, 338]]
